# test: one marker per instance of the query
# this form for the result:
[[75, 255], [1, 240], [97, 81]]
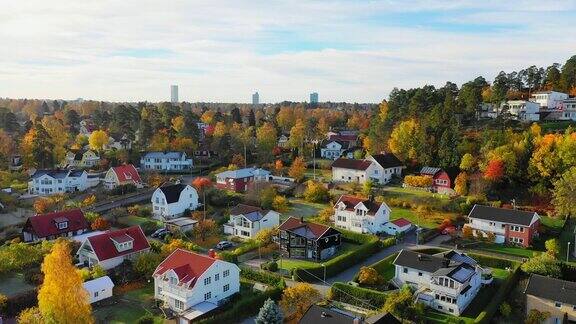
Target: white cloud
[[223, 50]]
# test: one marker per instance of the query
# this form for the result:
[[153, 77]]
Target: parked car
[[160, 233], [223, 245]]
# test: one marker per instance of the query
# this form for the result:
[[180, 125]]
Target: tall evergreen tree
[[270, 313]]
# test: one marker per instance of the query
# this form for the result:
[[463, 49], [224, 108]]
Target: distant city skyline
[[222, 50], [174, 94], [256, 98]]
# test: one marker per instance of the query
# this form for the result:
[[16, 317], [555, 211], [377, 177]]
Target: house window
[[226, 273], [405, 270], [451, 310], [178, 304], [62, 225], [207, 280], [226, 287], [558, 304], [207, 295], [95, 294], [419, 274], [217, 277]]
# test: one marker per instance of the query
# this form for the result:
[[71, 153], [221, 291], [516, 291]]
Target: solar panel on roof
[[462, 274]]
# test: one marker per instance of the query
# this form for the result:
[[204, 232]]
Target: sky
[[223, 51]]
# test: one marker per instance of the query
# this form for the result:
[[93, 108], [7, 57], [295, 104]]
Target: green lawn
[[13, 284], [428, 222], [301, 208], [321, 174], [397, 191], [289, 264], [554, 223], [136, 220], [503, 249], [130, 307]]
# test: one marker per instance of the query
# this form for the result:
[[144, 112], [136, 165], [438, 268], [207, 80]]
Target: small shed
[[98, 289], [180, 224]]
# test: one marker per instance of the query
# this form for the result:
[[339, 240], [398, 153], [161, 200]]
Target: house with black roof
[[316, 314], [555, 296], [246, 221], [510, 226], [172, 200], [300, 239], [446, 282], [386, 167]]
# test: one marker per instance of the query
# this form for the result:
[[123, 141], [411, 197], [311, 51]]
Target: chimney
[[212, 253]]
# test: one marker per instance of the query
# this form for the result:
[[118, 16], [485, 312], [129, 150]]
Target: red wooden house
[[441, 181]]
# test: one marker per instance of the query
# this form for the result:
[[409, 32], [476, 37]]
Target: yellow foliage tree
[[62, 298], [421, 181], [160, 141], [220, 129], [296, 299], [280, 204], [59, 135], [369, 276], [98, 139], [208, 117], [297, 169], [461, 184], [178, 124], [30, 316]]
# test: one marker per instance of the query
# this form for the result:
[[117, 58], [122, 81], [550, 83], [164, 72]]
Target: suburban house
[[446, 282], [549, 100], [121, 176], [349, 170], [86, 127], [239, 180], [15, 162], [386, 166], [333, 149], [119, 143], [246, 221], [81, 159], [565, 110], [522, 110], [283, 140], [66, 223], [510, 226], [555, 296], [99, 288], [304, 240], [348, 137], [166, 161], [441, 181], [48, 182], [173, 200], [192, 284], [111, 248], [361, 215], [316, 314], [397, 226]]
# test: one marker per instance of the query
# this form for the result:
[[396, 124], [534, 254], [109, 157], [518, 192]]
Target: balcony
[[487, 228]]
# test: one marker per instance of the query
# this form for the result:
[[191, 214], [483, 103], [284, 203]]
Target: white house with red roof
[[361, 215], [110, 249], [397, 226], [122, 175], [66, 223], [191, 284]]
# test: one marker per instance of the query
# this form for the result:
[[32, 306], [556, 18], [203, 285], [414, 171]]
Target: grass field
[[301, 208], [13, 284], [503, 249], [554, 223], [130, 307], [136, 220], [409, 193], [430, 221]]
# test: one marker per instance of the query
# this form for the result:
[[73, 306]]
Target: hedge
[[486, 315], [362, 296], [342, 262], [243, 307], [232, 256], [493, 262], [263, 277]]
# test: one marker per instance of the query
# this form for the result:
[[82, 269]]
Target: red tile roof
[[44, 225], [351, 164], [352, 201], [188, 266], [293, 223], [104, 247], [401, 222], [127, 173]]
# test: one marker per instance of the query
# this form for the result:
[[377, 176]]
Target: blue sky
[[354, 51]]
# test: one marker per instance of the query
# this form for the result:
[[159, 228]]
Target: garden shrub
[[493, 262], [486, 315], [263, 277], [342, 292], [240, 308]]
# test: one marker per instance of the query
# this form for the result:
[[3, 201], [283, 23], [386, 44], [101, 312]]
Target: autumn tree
[[178, 124], [468, 162], [461, 184], [297, 169], [30, 315], [265, 235], [98, 139], [564, 193], [36, 147], [160, 141], [369, 276], [62, 298], [42, 205], [297, 134], [100, 224], [552, 247], [280, 203], [495, 170], [296, 299], [278, 166], [266, 138], [467, 232], [405, 140], [202, 184], [59, 136], [238, 159], [536, 317], [316, 192]]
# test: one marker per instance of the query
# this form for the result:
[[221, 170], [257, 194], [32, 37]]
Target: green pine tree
[[270, 313]]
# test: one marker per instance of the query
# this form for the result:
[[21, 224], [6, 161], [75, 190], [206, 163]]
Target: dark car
[[160, 233], [223, 245]]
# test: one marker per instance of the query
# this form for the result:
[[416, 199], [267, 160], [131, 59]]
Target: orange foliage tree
[[495, 170], [100, 224]]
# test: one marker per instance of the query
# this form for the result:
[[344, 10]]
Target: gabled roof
[[188, 266], [126, 173], [98, 284], [306, 229], [44, 225], [401, 222], [387, 160], [430, 170], [164, 155], [419, 261], [103, 244], [343, 144], [353, 201], [450, 264], [552, 289], [252, 213], [323, 315], [351, 164], [172, 192], [237, 174], [343, 138], [56, 174], [512, 216]]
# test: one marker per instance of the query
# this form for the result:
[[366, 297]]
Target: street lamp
[[568, 252]]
